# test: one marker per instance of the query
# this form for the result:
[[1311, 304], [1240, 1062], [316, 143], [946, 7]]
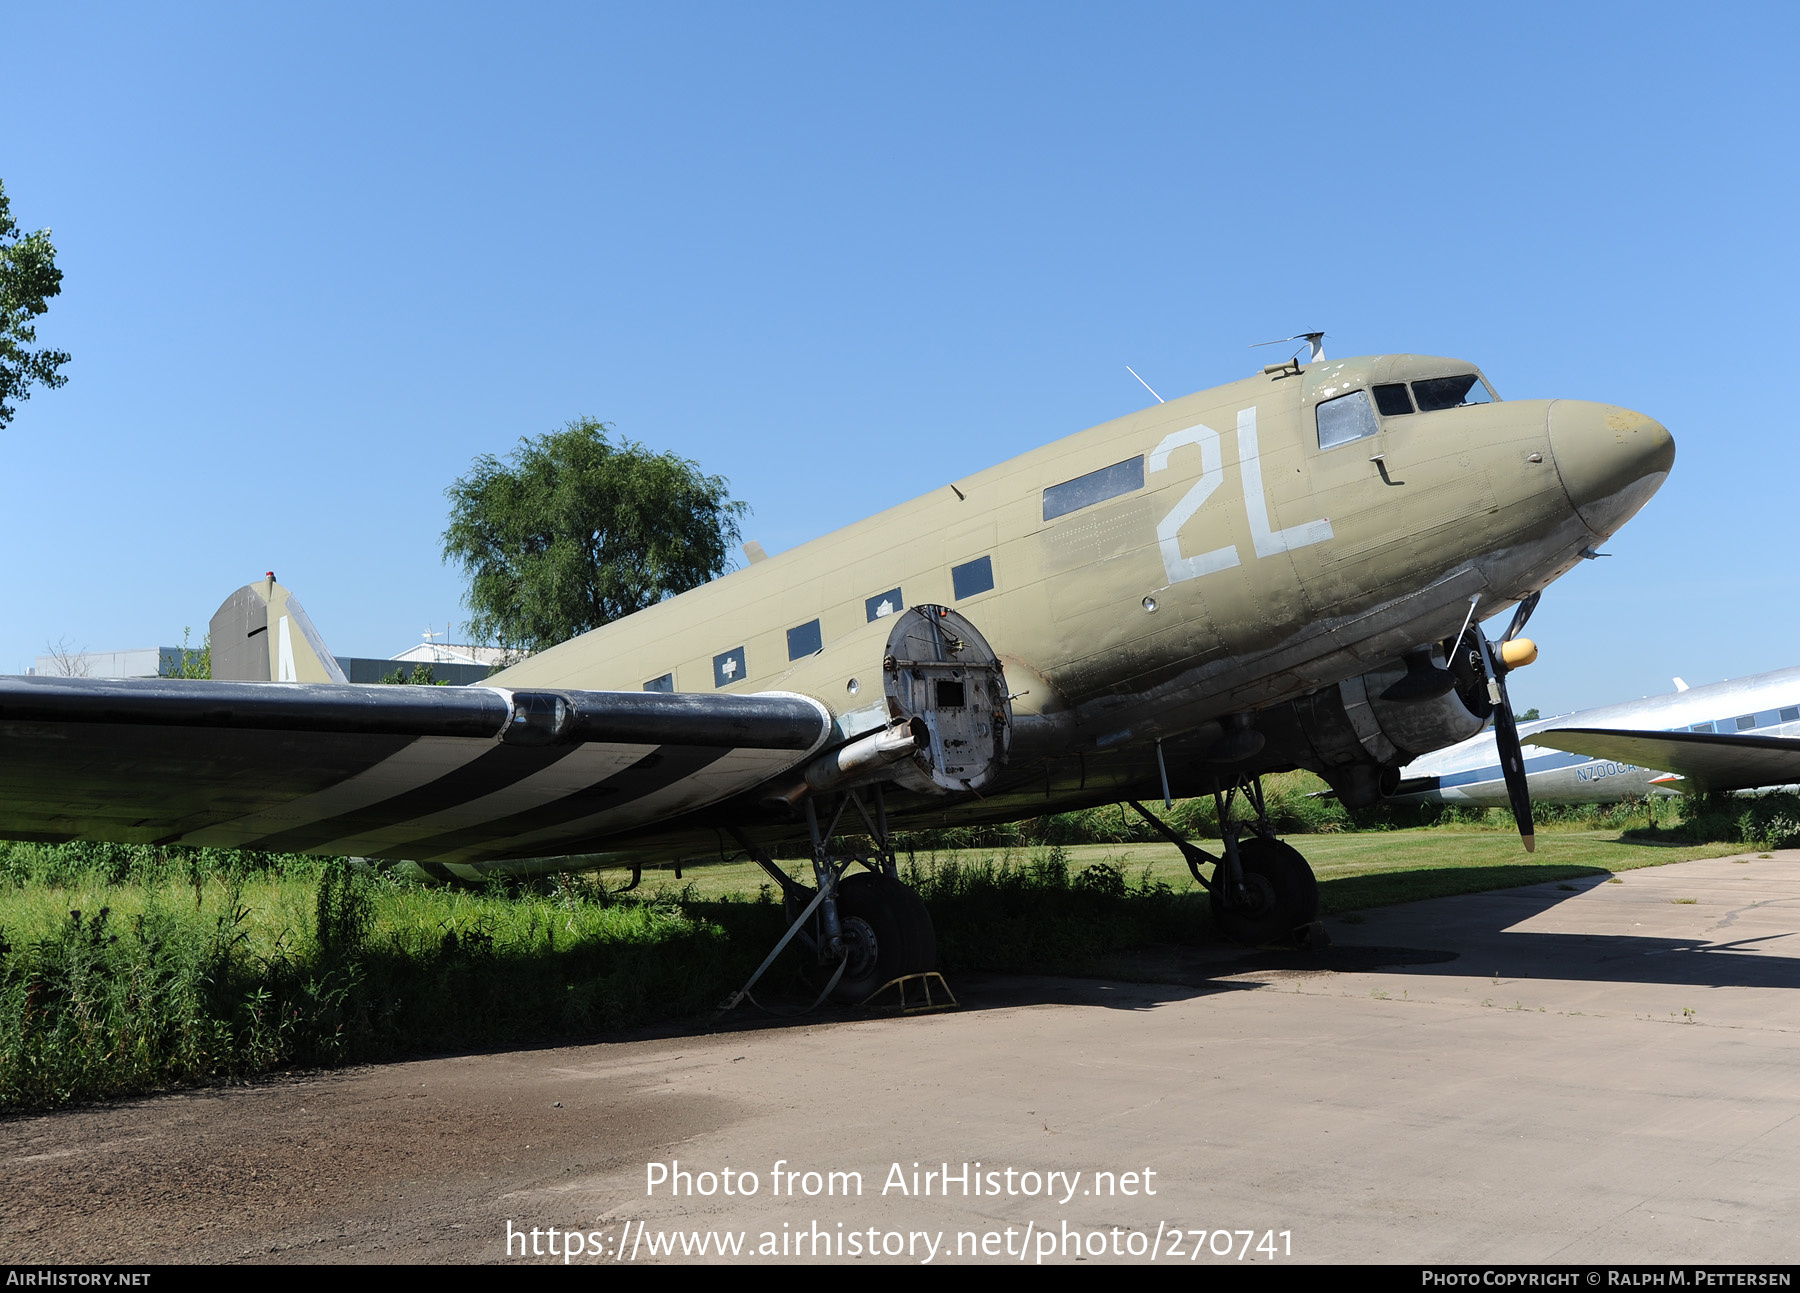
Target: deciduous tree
[[28, 279], [577, 529]]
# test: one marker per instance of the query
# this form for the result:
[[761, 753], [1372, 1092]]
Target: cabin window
[[1745, 722], [1701, 727], [1392, 399], [1344, 419], [805, 640], [884, 604], [972, 577], [729, 668], [1095, 487], [1791, 715], [1451, 392], [664, 683]]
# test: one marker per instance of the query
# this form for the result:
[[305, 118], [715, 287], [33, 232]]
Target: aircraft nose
[[1611, 460]]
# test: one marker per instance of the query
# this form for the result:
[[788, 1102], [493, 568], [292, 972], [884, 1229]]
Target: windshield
[[1451, 392]]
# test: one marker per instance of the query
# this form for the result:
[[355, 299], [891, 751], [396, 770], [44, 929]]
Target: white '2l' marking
[[1168, 533], [1267, 541]]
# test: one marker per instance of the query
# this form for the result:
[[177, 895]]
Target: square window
[[728, 668], [1745, 722], [1701, 727], [1791, 714], [888, 603], [1393, 400], [1344, 419], [972, 577], [664, 683], [805, 640]]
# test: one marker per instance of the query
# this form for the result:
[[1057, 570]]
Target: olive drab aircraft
[[1286, 571]]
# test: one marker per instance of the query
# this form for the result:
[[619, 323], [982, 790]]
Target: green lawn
[[157, 982], [1355, 869], [1359, 869]]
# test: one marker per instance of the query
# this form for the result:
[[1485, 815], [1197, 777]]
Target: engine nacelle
[[1358, 742], [943, 679]]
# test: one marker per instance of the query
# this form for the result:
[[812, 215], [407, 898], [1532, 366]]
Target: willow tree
[[576, 529]]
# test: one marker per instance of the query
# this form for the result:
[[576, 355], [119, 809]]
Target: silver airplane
[[1734, 735]]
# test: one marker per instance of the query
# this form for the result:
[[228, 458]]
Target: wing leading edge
[[1705, 760], [451, 774]]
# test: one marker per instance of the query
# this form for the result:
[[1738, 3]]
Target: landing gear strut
[[1262, 890], [861, 931]]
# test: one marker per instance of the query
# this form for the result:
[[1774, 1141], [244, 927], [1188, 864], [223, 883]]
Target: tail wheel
[[887, 933], [1280, 894]]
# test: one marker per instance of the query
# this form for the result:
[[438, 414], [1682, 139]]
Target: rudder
[[261, 634]]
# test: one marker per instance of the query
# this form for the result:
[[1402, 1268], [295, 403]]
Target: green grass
[[1361, 869], [111, 988], [128, 969]]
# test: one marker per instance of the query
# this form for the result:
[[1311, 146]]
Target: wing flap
[[1705, 760]]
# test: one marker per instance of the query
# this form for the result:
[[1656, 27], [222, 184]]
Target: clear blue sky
[[318, 258]]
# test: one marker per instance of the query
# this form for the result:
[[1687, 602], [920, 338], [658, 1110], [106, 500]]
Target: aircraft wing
[[1706, 760], [433, 774]]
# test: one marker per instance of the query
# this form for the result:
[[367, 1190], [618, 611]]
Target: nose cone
[[1611, 460]]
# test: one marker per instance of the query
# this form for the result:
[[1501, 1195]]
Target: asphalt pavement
[[1595, 1071]]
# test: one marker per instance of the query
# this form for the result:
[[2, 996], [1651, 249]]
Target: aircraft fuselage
[[1197, 562]]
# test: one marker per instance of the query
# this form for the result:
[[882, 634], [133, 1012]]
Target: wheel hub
[[861, 948], [1255, 896]]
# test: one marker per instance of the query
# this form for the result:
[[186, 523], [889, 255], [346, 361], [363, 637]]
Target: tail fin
[[261, 634]]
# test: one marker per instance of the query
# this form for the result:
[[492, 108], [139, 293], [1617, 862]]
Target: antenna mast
[[1314, 339], [1146, 385]]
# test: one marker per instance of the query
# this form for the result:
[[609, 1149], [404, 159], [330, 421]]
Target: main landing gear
[[1262, 890], [861, 932]]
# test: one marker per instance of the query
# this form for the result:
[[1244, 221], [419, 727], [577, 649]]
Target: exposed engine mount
[[942, 675], [1358, 741]]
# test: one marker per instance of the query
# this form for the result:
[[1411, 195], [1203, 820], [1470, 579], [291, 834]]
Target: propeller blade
[[1506, 738], [1520, 615]]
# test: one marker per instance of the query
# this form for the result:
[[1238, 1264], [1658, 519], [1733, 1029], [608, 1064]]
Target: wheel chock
[[904, 1003], [1314, 937]]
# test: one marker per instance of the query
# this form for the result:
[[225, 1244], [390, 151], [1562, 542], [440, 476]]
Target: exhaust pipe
[[866, 754], [854, 763]]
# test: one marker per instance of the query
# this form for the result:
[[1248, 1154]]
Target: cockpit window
[[1346, 418], [1392, 399], [1451, 392]]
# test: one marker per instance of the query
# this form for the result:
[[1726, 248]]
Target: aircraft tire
[[888, 930], [1284, 895]]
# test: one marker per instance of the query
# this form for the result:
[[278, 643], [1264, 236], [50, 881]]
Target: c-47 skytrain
[[1286, 571]]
